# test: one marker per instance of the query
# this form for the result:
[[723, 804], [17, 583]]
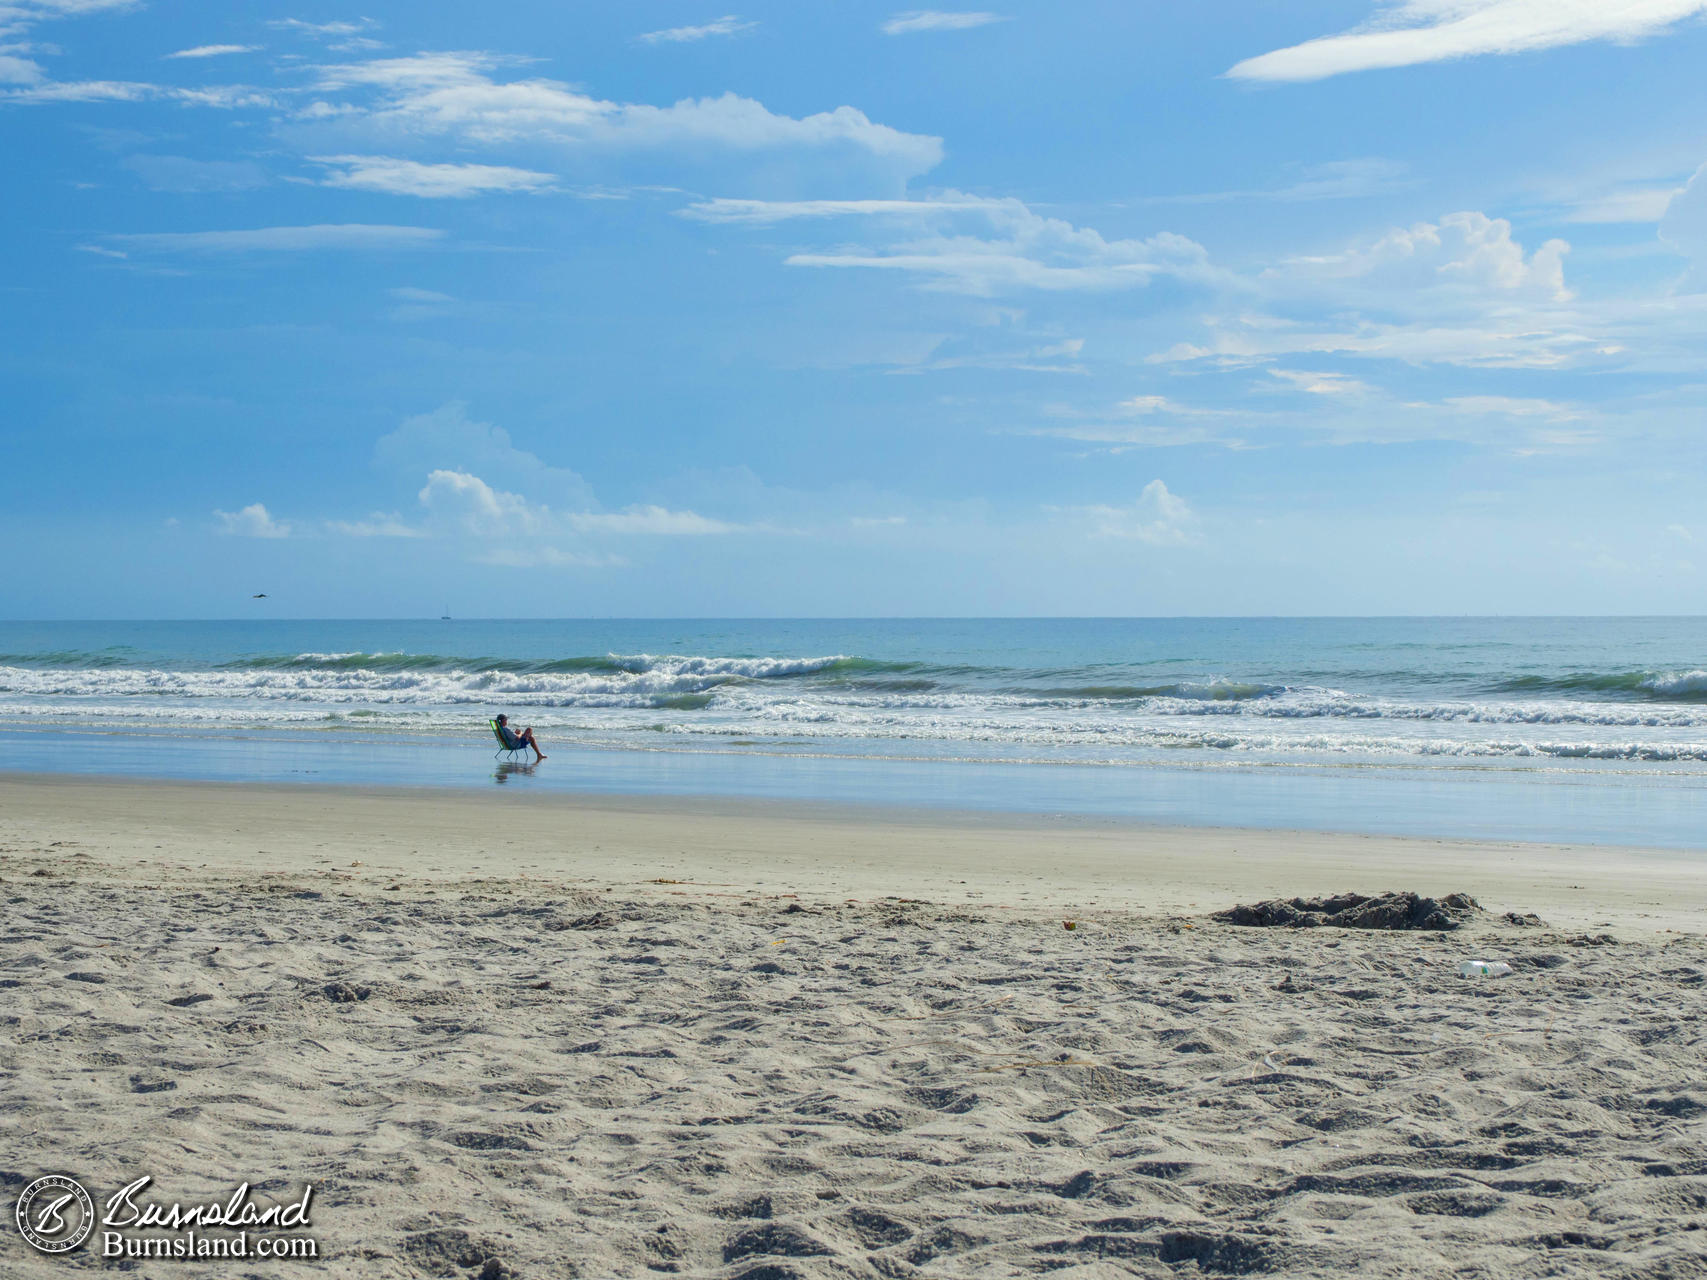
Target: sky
[[653, 309]]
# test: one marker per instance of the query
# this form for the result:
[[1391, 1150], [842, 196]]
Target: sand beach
[[556, 1036]]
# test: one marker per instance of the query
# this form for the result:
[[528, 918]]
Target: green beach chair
[[504, 747]]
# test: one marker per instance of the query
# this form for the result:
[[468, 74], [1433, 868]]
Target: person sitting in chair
[[516, 741]]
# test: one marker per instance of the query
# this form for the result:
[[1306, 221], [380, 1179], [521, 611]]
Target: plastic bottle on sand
[[1483, 969]]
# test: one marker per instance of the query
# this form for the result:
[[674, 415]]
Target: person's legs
[[527, 737]]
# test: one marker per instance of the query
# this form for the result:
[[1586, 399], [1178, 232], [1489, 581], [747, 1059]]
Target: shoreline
[[822, 851]]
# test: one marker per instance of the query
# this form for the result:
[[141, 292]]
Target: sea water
[[1527, 728]]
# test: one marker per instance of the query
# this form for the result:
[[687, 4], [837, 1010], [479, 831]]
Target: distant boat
[[445, 616]]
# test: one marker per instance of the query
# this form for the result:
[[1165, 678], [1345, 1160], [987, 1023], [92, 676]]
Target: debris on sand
[[1357, 911]]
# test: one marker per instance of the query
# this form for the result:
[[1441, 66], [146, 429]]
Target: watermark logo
[[55, 1214]]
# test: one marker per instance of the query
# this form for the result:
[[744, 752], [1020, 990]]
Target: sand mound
[[1357, 911]]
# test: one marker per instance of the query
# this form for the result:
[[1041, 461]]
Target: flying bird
[[259, 595]]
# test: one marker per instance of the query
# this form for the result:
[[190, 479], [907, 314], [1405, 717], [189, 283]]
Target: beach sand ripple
[[504, 1078]]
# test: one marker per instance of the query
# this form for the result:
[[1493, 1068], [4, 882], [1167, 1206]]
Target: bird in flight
[[259, 595]]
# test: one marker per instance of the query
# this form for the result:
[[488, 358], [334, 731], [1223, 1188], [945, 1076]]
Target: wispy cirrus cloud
[[431, 181], [362, 237], [183, 174], [1420, 31], [769, 212], [917, 20], [1333, 180], [381, 524], [980, 246], [728, 25], [214, 51]]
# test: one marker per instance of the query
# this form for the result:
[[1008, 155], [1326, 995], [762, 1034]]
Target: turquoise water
[[1592, 729]]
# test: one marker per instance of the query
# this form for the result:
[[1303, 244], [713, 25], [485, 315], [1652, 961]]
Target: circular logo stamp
[[55, 1214]]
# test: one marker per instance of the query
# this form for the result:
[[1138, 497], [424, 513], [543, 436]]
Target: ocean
[[1591, 729]]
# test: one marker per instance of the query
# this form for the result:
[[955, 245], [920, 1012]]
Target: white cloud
[[18, 15], [547, 558], [252, 521], [1019, 249], [1159, 517], [340, 236], [379, 525], [214, 50], [917, 20], [1321, 384], [1419, 31], [647, 520], [432, 181], [1627, 204], [769, 212], [19, 70], [180, 173], [1464, 253], [1050, 357], [1331, 180], [82, 91], [1143, 406], [1457, 291], [219, 97], [426, 297], [455, 96], [728, 25], [322, 30], [477, 508], [1684, 227], [448, 439], [1511, 407]]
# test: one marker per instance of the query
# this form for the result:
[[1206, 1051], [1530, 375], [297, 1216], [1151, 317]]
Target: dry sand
[[511, 1041]]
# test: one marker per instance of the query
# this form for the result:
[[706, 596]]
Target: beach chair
[[504, 748]]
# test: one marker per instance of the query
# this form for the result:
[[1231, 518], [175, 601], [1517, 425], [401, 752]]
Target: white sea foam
[[635, 699]]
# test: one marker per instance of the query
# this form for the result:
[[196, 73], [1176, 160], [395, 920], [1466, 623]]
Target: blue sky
[[658, 309]]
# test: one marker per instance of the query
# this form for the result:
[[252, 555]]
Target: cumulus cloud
[[1159, 517], [214, 50], [338, 236], [477, 508], [432, 181], [1460, 290], [1468, 253], [449, 439], [727, 25], [253, 521], [1420, 31], [917, 20]]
